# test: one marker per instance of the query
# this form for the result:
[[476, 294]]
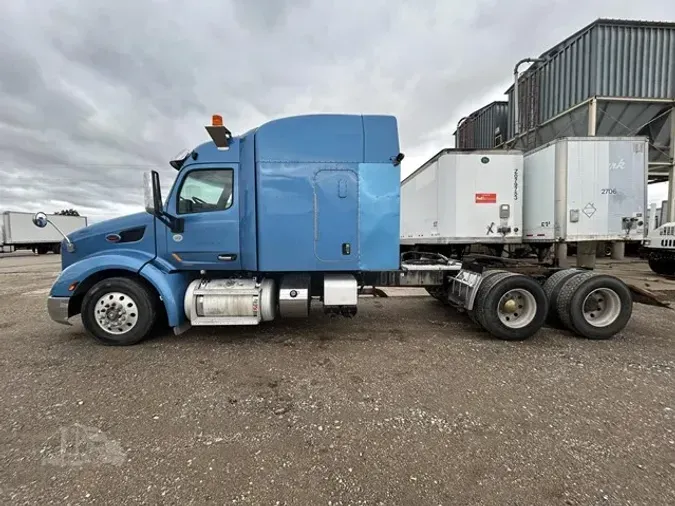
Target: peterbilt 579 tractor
[[299, 211]]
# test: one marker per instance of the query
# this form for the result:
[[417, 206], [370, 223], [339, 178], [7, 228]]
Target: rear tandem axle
[[513, 299]]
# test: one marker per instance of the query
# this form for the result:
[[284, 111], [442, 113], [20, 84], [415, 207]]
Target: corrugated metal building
[[613, 77], [608, 58], [484, 128]]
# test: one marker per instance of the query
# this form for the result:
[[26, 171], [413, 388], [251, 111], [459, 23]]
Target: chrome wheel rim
[[517, 308], [601, 307], [116, 313]]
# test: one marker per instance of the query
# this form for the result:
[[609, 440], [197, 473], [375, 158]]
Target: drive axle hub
[[510, 306]]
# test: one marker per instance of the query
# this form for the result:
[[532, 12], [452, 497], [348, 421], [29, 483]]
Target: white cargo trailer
[[586, 189], [19, 232], [464, 197]]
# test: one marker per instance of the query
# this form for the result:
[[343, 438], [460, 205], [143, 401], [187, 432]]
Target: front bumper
[[57, 307]]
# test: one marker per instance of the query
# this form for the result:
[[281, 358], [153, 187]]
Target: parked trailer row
[[571, 190]]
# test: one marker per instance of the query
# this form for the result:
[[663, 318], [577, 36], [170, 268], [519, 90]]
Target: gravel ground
[[408, 403]]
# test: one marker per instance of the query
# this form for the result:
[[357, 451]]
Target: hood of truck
[[133, 232]]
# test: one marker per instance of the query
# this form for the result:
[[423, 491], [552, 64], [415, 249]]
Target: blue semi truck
[[300, 210]]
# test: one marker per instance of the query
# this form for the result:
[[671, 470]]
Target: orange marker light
[[217, 120]]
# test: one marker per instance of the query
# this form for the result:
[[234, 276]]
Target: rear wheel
[[595, 306], [552, 288], [481, 290], [511, 306], [119, 311], [437, 293]]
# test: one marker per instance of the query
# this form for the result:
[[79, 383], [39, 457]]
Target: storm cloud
[[92, 92]]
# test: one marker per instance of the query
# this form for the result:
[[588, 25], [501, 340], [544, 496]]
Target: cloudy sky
[[94, 92]]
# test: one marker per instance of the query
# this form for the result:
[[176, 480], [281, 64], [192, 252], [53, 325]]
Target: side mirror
[[152, 193], [40, 220]]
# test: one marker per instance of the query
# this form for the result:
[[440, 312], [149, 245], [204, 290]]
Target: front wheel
[[119, 311]]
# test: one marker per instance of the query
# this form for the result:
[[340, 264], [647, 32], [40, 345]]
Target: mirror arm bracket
[[176, 225]]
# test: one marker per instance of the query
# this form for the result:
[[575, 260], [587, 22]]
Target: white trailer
[[464, 197], [19, 232], [586, 189]]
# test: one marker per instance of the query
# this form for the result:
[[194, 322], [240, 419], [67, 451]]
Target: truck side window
[[206, 190]]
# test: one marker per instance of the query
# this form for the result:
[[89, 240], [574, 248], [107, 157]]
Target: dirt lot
[[408, 403]]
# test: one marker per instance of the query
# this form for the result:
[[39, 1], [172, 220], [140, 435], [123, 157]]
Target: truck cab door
[[205, 197]]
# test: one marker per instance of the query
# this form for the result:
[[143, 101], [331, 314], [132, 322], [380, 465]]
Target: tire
[[661, 264], [56, 249], [122, 292], [522, 321], [481, 289], [552, 288], [615, 305], [437, 293]]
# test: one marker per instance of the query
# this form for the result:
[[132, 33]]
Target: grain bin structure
[[612, 78], [484, 128]]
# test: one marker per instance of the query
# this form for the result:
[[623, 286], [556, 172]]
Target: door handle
[[342, 188], [227, 257]]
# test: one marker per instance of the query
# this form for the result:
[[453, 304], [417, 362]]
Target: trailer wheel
[[595, 306], [119, 311], [512, 307], [552, 288]]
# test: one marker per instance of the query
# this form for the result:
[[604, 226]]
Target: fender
[[123, 259], [171, 287]]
